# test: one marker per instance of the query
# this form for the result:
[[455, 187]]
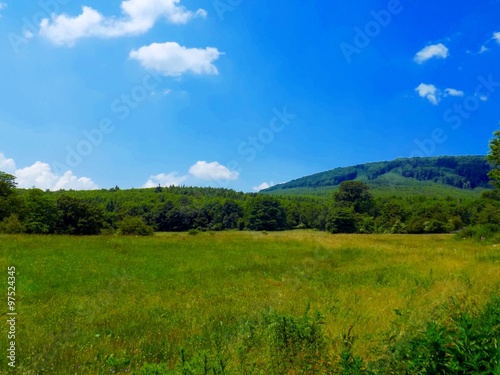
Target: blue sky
[[239, 94]]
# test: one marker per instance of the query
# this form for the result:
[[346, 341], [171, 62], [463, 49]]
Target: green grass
[[184, 302]]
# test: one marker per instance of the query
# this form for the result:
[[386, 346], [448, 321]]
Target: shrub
[[133, 225], [485, 232], [11, 225], [466, 345], [193, 232]]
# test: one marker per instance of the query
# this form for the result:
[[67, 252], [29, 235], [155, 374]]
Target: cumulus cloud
[[439, 51], [429, 92], [171, 179], [212, 171], [171, 59], [138, 17], [434, 95], [41, 176], [263, 186], [7, 165]]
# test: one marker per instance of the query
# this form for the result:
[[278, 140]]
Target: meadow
[[235, 302]]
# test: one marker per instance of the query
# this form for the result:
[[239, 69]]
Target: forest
[[350, 208]]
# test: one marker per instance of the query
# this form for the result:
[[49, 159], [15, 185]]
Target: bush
[[467, 345], [486, 232], [11, 225], [133, 225], [193, 232]]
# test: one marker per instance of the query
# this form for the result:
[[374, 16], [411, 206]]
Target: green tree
[[78, 217], [134, 225], [355, 194], [494, 159], [41, 216], [341, 220], [7, 184], [10, 203], [265, 213]]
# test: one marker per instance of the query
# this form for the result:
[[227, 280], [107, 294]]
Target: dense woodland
[[349, 209], [463, 172]]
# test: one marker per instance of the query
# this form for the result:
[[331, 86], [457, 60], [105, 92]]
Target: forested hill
[[463, 172]]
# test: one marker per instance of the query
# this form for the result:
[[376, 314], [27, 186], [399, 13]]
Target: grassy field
[[214, 302]]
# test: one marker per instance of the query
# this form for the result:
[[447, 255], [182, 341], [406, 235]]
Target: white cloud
[[434, 95], [453, 92], [138, 17], [496, 36], [212, 171], [171, 179], [7, 165], [173, 60], [429, 52], [40, 175], [483, 98], [428, 91], [2, 6], [263, 186], [483, 49]]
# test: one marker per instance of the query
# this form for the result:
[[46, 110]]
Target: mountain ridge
[[461, 172]]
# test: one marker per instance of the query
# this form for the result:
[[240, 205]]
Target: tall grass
[[235, 302]]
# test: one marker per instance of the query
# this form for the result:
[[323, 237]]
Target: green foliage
[[265, 213], [153, 369], [175, 209], [349, 364], [484, 232], [297, 343], [463, 172], [468, 344], [11, 225], [9, 202], [341, 220], [42, 215], [494, 158], [134, 226], [354, 194], [7, 184], [78, 217]]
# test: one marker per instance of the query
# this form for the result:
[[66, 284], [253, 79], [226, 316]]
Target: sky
[[239, 94]]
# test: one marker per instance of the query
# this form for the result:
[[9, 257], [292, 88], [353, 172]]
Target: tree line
[[351, 209]]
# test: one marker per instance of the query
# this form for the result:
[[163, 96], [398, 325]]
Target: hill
[[437, 176]]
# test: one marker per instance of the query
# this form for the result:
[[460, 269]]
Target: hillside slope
[[445, 175]]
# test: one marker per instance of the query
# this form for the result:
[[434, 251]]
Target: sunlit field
[[214, 302]]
